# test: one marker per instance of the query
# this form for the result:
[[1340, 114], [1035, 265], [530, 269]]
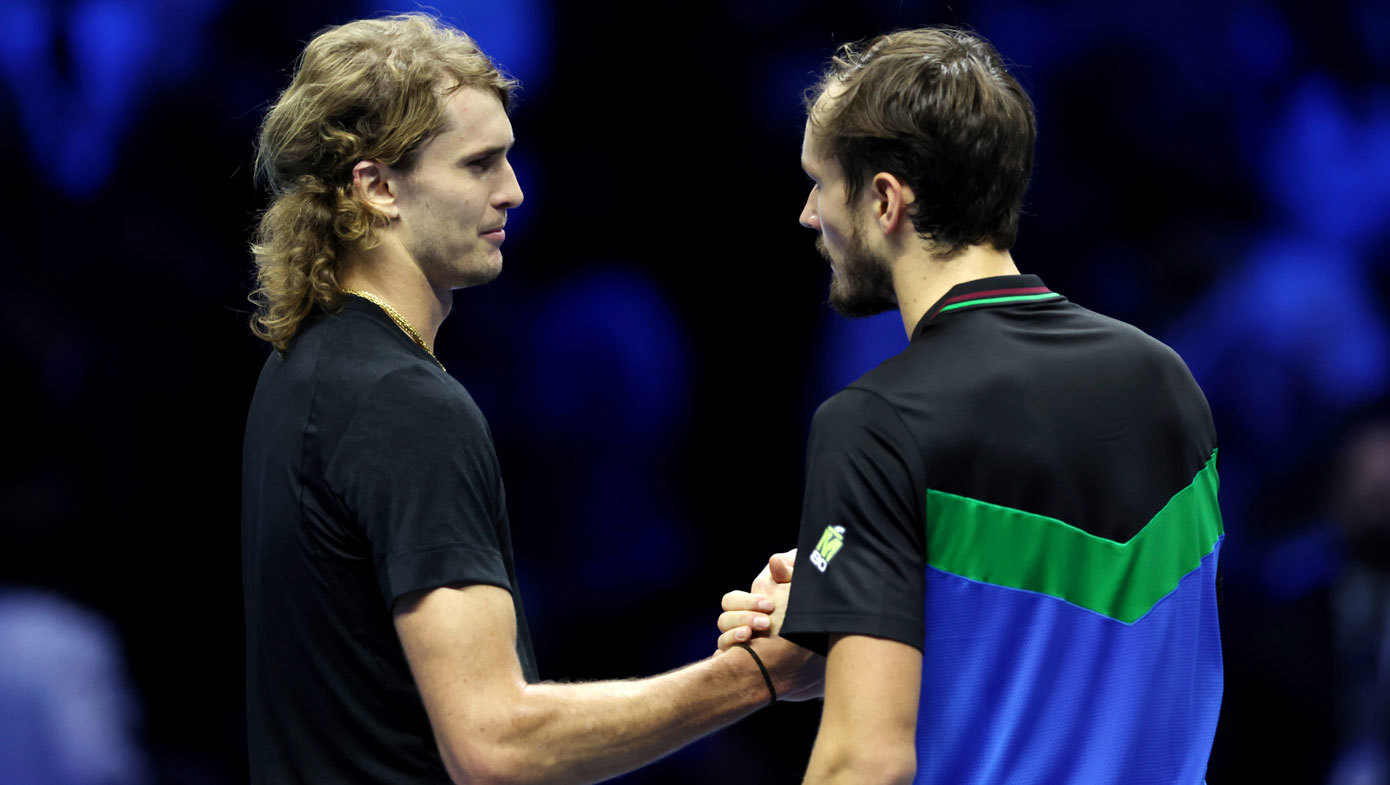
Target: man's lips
[[499, 234]]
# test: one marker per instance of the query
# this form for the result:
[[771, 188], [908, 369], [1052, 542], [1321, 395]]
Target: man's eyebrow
[[489, 152]]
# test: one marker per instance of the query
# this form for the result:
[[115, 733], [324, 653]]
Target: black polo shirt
[[1027, 494], [368, 473]]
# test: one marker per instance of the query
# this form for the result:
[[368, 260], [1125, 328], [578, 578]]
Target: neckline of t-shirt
[[995, 291], [361, 305]]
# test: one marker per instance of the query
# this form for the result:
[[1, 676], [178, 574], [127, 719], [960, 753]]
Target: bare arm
[[869, 725], [493, 727]]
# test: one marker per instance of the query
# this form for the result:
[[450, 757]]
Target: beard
[[861, 284]]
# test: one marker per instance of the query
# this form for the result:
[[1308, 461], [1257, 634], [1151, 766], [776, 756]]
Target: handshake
[[754, 619]]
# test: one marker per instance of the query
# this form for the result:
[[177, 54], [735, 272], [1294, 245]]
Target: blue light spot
[[1327, 170], [24, 32], [515, 34], [853, 347], [1260, 39], [608, 362], [1295, 332], [122, 52], [63, 686], [1303, 562], [113, 48], [112, 43]]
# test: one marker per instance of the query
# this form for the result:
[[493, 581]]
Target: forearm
[[868, 727], [579, 733], [841, 765]]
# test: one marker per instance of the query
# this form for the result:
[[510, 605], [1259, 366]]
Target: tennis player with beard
[[1009, 535]]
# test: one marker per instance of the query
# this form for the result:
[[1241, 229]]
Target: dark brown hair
[[374, 89], [936, 108]]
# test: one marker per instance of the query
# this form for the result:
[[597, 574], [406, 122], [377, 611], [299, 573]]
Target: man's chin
[[857, 305], [860, 310], [479, 275]]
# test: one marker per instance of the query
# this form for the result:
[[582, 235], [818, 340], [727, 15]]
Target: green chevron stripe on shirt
[[1008, 547]]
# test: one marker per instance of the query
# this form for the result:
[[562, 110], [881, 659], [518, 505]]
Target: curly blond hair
[[374, 89]]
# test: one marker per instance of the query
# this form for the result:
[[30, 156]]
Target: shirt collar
[[1000, 290]]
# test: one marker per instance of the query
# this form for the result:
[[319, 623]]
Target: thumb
[[781, 566]]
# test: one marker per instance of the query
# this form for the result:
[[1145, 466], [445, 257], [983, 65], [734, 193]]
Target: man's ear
[[375, 184], [892, 202]]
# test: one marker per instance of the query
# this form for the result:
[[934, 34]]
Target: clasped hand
[[755, 617]]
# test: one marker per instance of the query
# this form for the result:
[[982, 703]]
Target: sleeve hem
[[813, 630], [440, 565]]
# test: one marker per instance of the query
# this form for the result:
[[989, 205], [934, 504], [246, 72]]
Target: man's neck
[[387, 272], [920, 280]]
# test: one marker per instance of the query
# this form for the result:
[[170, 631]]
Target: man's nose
[[809, 219]]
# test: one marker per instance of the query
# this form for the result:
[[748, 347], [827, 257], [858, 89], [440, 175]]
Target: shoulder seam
[[912, 439]]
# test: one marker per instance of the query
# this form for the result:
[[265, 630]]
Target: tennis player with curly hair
[[385, 637]]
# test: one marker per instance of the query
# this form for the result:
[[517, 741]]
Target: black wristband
[[767, 677]]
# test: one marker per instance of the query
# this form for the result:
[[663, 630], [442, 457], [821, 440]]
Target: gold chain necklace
[[400, 322]]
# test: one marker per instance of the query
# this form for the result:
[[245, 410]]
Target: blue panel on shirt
[[1024, 688]]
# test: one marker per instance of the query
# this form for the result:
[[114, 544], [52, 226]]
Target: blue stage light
[[516, 34], [75, 115], [1328, 161], [853, 347], [607, 361]]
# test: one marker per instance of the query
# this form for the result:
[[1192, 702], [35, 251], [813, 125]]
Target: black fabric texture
[[368, 474]]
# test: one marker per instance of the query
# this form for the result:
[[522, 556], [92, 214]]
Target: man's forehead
[[474, 118], [810, 156], [814, 117]]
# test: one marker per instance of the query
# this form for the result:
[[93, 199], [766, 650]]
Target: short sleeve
[[417, 469], [860, 552]]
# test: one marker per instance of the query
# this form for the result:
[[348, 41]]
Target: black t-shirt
[[368, 473]]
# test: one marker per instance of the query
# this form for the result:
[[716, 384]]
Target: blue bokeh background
[[1217, 173]]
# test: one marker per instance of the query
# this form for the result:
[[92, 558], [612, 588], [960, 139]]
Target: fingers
[[780, 566], [732, 620], [746, 613], [746, 601], [778, 570], [736, 635]]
